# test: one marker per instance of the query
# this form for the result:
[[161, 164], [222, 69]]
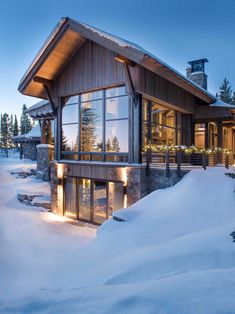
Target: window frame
[[103, 153]]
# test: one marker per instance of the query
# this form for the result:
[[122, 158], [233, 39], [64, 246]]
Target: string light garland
[[186, 149]]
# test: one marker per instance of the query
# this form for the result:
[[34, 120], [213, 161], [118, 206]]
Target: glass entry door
[[84, 199], [92, 200], [100, 201]]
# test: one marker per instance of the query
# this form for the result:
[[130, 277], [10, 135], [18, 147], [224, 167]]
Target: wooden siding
[[93, 67], [158, 88]]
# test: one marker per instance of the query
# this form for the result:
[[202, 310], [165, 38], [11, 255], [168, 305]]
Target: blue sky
[[176, 31]]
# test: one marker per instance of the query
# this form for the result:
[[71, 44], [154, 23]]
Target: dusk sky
[[175, 31]]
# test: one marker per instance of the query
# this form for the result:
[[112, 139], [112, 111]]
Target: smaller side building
[[28, 143]]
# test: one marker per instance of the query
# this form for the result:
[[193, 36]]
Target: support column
[[206, 135], [220, 140], [220, 133], [137, 129]]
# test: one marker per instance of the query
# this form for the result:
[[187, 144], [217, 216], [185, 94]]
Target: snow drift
[[173, 254]]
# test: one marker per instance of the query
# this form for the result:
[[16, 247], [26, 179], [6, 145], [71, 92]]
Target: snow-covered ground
[[173, 254], [36, 249]]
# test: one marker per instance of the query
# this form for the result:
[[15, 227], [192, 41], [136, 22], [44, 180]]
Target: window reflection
[[91, 126], [70, 137], [114, 92], [117, 108], [92, 96], [92, 123], [117, 136], [71, 100], [70, 114]]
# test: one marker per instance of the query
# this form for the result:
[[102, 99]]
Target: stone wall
[[157, 179], [45, 154], [29, 150], [138, 184]]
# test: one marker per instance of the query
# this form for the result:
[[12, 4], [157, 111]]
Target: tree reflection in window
[[91, 127]]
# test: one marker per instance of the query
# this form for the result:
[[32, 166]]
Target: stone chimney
[[196, 72]]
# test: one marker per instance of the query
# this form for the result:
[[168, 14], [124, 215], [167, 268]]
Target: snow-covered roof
[[38, 105], [34, 134], [220, 103], [125, 44], [40, 110], [122, 47]]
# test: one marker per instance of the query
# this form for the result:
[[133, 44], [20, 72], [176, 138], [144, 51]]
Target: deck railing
[[178, 157]]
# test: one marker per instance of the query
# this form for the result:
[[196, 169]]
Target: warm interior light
[[60, 171], [124, 176]]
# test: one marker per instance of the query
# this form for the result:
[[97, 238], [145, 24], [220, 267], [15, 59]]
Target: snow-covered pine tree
[[15, 127], [25, 121], [225, 91], [6, 131]]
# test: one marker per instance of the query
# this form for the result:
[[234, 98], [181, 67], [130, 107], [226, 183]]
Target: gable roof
[[66, 39], [41, 110], [33, 135]]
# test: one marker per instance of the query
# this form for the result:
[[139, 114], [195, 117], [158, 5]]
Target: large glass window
[[199, 135], [95, 125], [116, 136], [161, 125], [91, 139]]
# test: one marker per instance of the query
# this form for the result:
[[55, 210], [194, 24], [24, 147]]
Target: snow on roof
[[38, 105], [35, 133], [220, 103], [143, 54], [125, 44]]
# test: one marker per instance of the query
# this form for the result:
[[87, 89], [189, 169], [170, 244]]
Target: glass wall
[[95, 126], [199, 135], [92, 200], [162, 125], [213, 134]]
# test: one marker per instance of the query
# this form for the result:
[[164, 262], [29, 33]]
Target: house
[[111, 99], [42, 112], [28, 142]]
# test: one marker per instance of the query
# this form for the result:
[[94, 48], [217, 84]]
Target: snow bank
[[174, 254]]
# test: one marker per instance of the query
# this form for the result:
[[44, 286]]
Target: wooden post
[[167, 163], [204, 160], [178, 160], [226, 160], [148, 157]]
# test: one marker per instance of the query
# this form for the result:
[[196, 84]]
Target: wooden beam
[[129, 81], [124, 60], [50, 98], [42, 80]]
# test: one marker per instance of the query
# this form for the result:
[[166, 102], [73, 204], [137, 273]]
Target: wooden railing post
[[178, 160], [167, 163], [226, 160], [204, 160], [148, 158]]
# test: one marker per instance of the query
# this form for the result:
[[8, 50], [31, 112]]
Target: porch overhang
[[67, 38]]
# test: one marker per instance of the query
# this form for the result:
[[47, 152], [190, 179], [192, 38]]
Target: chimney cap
[[204, 60]]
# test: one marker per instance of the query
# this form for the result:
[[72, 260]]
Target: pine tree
[[15, 127], [6, 131], [11, 126], [115, 144], [25, 122], [225, 91]]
